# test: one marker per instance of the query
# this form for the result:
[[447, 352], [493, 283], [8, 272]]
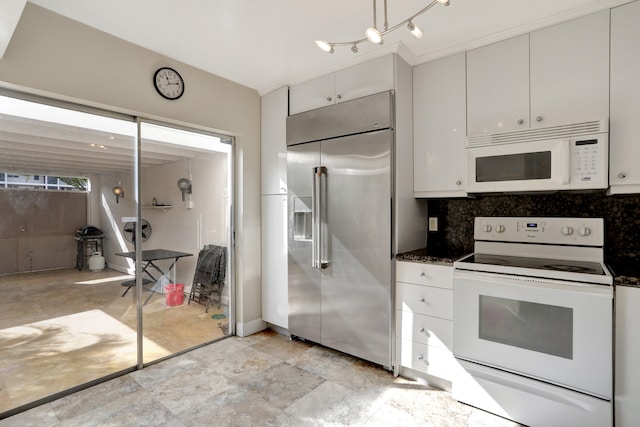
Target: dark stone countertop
[[421, 255], [626, 274], [623, 274]]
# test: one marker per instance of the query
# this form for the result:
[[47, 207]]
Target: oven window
[[514, 167], [538, 327]]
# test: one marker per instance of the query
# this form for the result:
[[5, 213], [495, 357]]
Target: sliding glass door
[[115, 246], [186, 209]]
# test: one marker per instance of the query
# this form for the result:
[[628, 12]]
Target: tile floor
[[262, 380], [63, 328]]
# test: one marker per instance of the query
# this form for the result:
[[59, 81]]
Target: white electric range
[[533, 321]]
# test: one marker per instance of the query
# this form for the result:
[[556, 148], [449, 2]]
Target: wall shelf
[[163, 207]]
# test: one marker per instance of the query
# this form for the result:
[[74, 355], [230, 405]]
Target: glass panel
[[538, 327], [514, 167], [63, 319], [185, 192]]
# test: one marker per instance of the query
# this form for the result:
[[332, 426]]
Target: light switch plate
[[433, 223]]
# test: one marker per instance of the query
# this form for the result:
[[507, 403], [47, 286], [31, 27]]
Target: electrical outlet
[[433, 223]]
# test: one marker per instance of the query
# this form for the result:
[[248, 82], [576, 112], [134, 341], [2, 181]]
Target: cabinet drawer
[[428, 359], [425, 300], [426, 330], [440, 276]]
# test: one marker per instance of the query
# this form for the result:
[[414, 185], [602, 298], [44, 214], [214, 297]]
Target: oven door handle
[[501, 279]]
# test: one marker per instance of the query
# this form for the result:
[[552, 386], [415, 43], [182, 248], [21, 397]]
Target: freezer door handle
[[318, 257]]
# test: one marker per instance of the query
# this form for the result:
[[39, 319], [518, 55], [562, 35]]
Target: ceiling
[[44, 140], [265, 44], [235, 38]]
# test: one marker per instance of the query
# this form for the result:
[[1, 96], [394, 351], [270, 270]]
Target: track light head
[[373, 35], [324, 46], [417, 33]]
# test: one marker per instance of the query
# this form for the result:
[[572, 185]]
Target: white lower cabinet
[[627, 376], [424, 322]]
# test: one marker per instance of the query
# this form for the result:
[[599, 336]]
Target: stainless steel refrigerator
[[340, 189]]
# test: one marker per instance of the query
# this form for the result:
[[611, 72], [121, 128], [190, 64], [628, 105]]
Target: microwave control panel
[[589, 163]]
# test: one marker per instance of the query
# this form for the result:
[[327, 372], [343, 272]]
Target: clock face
[[168, 83]]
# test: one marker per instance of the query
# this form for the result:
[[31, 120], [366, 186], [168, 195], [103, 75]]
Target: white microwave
[[571, 163]]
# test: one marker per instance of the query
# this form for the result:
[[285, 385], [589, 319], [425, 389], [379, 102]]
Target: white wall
[[55, 56]]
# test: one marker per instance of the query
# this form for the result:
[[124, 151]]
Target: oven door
[[555, 331]]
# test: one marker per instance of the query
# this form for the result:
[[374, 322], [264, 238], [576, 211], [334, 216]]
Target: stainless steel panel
[[356, 285], [304, 279], [364, 114]]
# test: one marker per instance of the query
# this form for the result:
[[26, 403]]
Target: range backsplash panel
[[621, 215]]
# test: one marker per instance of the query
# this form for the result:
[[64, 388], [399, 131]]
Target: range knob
[[500, 228], [487, 228], [584, 231], [567, 231]]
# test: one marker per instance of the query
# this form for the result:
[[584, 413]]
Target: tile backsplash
[[621, 215]]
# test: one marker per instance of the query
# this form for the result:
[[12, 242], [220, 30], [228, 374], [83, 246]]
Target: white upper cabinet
[[275, 106], [558, 75], [312, 94], [498, 87], [439, 128], [570, 72], [624, 130], [359, 80]]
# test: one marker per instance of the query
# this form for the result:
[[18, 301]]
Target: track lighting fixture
[[375, 35]]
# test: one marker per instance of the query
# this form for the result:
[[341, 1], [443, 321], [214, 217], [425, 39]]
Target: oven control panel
[[570, 231]]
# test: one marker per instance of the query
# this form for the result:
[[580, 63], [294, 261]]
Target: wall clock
[[168, 82]]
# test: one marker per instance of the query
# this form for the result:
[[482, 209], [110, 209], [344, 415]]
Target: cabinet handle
[[622, 175], [520, 121], [422, 274], [539, 119], [458, 182], [421, 357], [329, 99], [339, 96], [423, 300], [422, 330]]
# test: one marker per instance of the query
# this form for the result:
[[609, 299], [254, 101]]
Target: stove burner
[[570, 268]]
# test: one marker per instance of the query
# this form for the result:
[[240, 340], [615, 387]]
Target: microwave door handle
[[566, 161]]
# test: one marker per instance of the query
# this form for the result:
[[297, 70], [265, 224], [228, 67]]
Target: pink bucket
[[175, 294]]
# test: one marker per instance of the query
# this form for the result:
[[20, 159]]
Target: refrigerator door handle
[[317, 219], [322, 217]]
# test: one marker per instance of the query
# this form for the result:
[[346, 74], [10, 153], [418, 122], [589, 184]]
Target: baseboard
[[278, 329], [244, 329]]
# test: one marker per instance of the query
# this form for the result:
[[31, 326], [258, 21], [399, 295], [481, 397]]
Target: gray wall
[[38, 227], [54, 56]]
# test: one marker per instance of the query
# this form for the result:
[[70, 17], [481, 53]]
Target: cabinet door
[[275, 304], [498, 87], [370, 77], [627, 355], [624, 136], [275, 106], [570, 71], [312, 94], [439, 128]]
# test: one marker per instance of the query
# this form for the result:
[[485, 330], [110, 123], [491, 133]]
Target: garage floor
[[63, 328]]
